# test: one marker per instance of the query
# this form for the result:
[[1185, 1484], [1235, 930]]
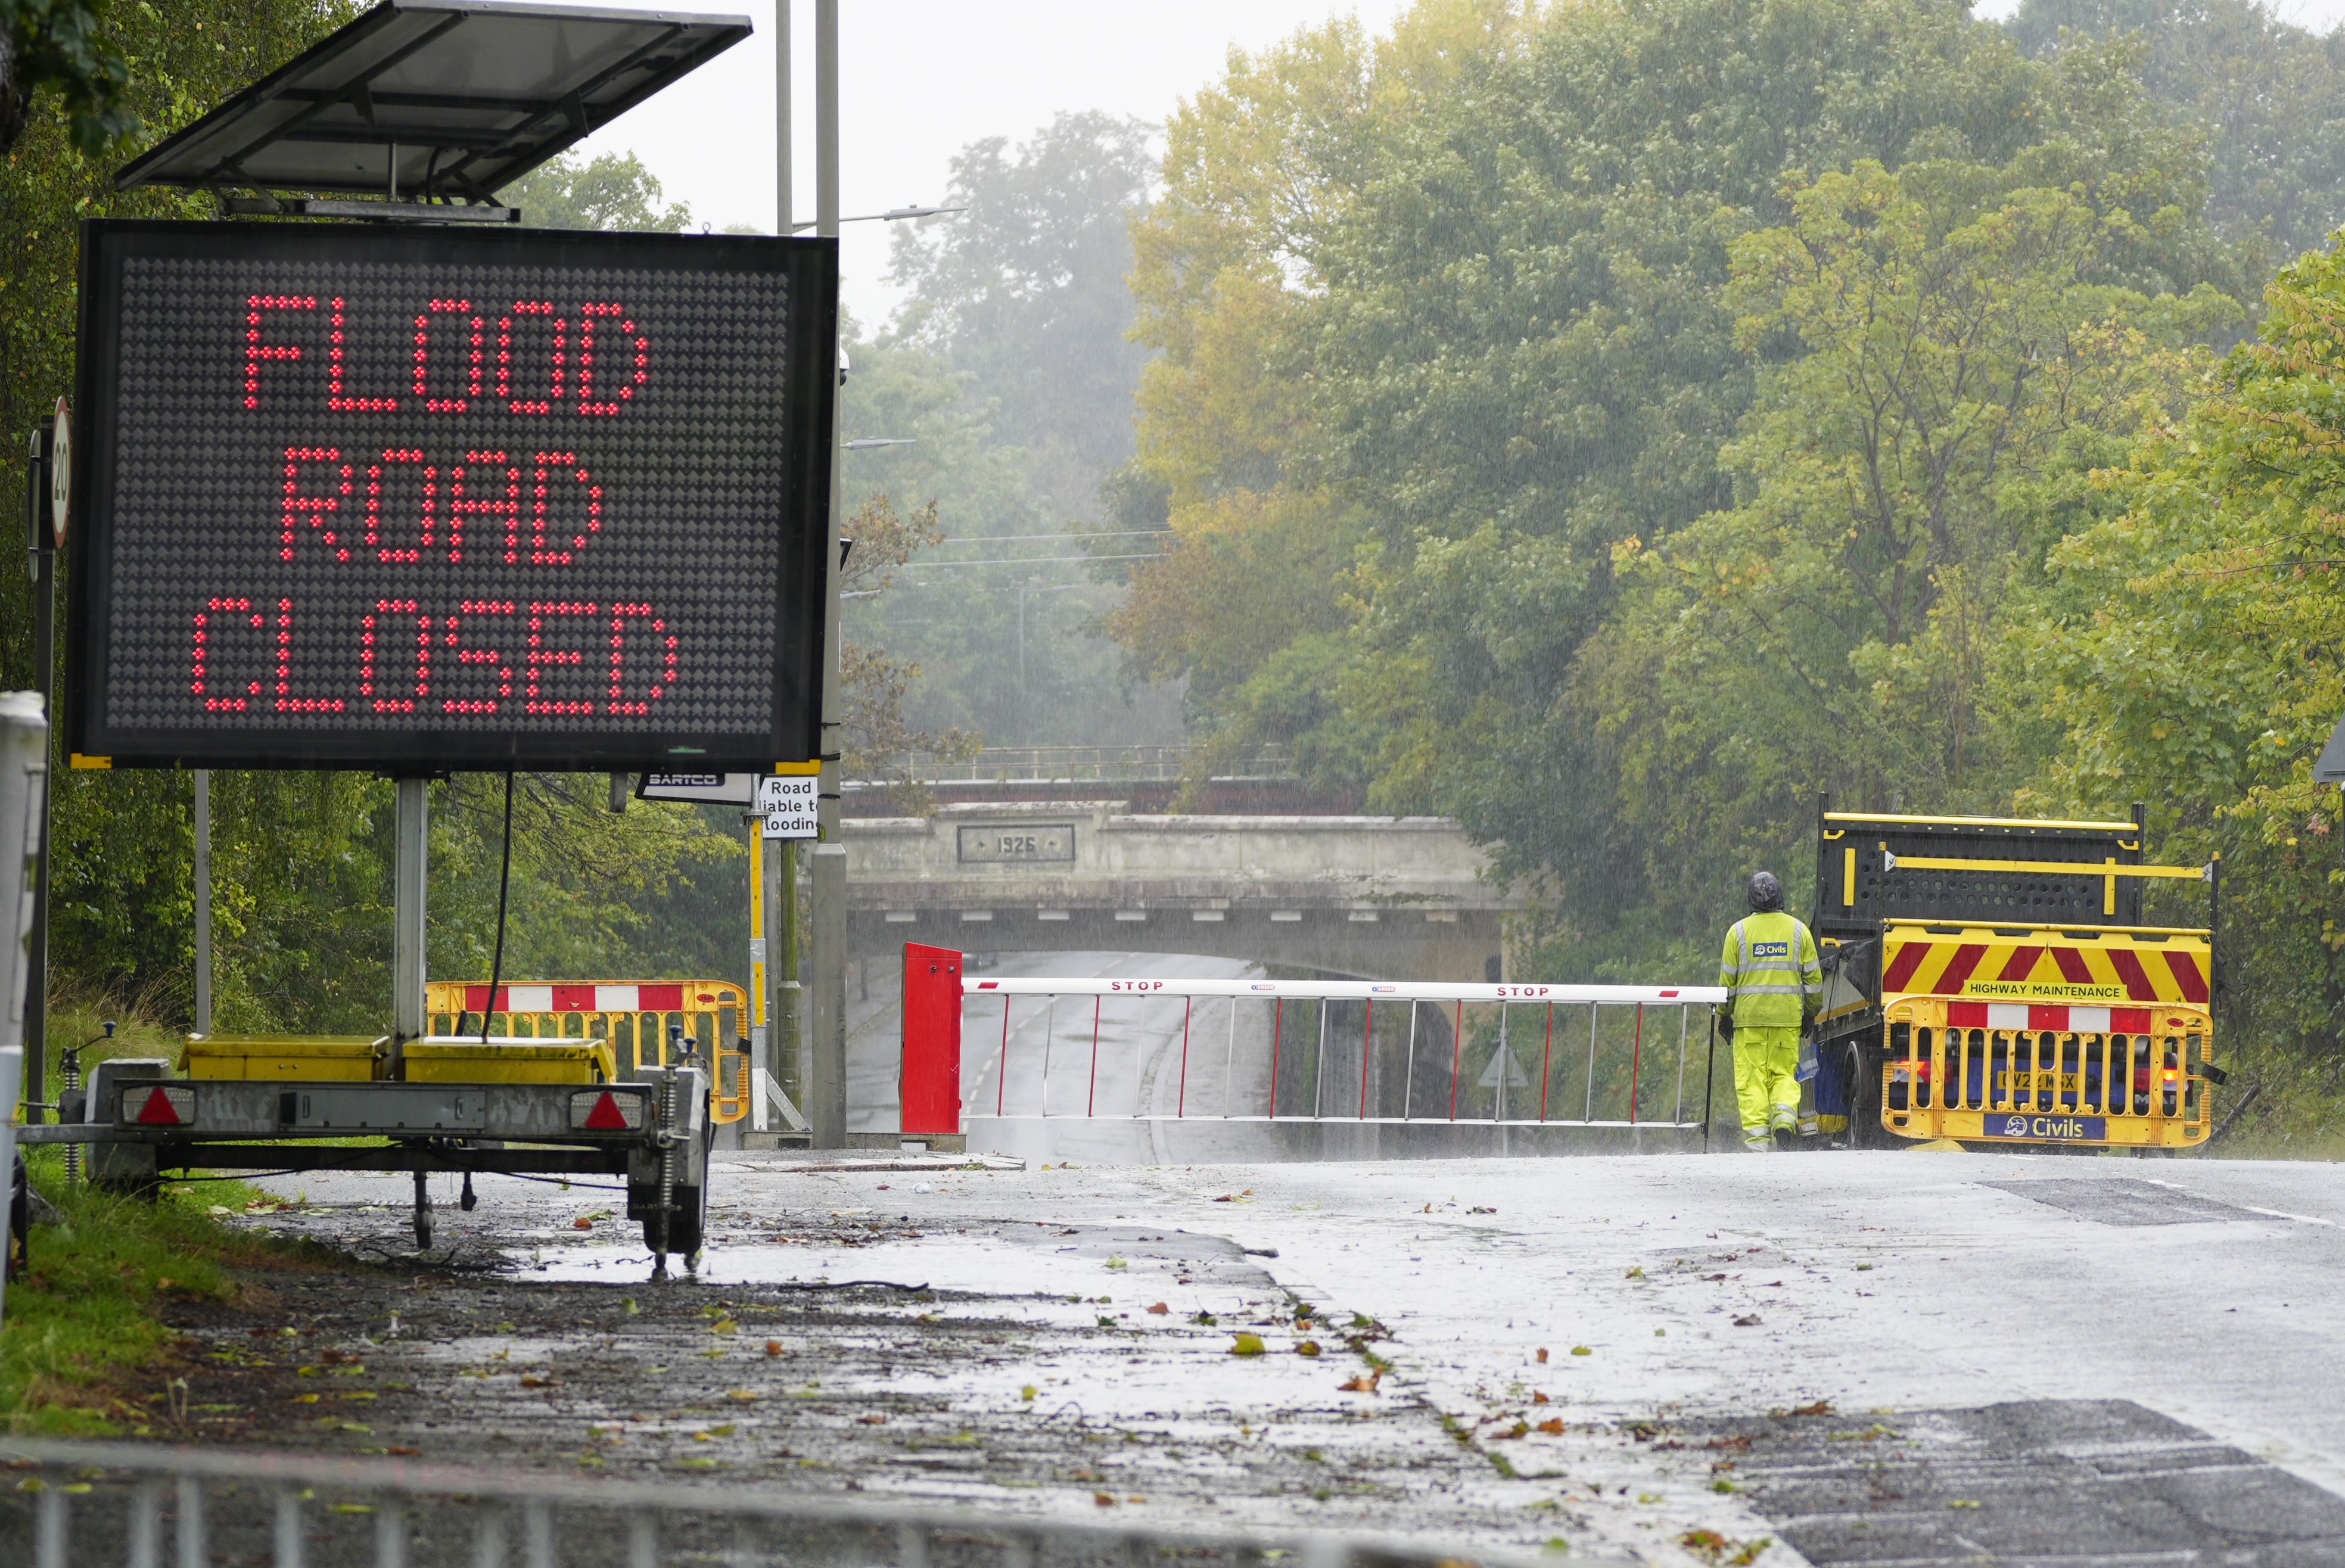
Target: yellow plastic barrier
[[632, 1015]]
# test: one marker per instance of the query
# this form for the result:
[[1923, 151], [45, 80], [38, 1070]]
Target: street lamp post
[[827, 1063], [825, 1079]]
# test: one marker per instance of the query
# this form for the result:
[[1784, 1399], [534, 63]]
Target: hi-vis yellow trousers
[[1765, 1091]]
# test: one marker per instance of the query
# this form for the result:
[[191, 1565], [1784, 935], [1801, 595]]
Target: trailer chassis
[[654, 1133]]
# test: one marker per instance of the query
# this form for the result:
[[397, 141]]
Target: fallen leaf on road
[[1103, 1499], [725, 1325], [627, 1305], [1247, 1345], [1636, 1273], [1307, 1348], [871, 1420], [1365, 1383], [1539, 1398], [1961, 1503], [305, 1398], [1118, 1263], [1159, 1310], [1751, 1321], [405, 1453], [1553, 1426], [743, 1396], [1821, 1407], [773, 1347], [1542, 1356], [1581, 1350], [1027, 1392]]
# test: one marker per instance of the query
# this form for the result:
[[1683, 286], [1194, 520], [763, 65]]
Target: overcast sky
[[921, 80]]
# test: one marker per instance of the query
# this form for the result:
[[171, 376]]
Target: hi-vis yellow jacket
[[1769, 971]]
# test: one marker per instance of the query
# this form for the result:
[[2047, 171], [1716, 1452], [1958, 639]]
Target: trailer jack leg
[[468, 1202], [423, 1210]]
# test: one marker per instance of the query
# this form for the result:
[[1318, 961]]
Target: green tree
[[59, 43], [1024, 293], [1927, 386], [2269, 95], [612, 191], [1462, 297], [1009, 368]]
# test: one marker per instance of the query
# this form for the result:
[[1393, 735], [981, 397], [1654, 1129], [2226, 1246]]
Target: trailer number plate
[[376, 1110], [2051, 1129]]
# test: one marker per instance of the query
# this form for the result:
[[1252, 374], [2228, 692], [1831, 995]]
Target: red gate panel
[[932, 1079]]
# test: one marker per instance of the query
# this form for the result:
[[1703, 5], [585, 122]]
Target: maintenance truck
[[1990, 980]]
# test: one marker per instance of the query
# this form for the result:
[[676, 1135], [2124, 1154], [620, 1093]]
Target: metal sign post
[[45, 519]]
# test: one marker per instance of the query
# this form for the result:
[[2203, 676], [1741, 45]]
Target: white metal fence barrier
[[68, 1504], [1149, 1048]]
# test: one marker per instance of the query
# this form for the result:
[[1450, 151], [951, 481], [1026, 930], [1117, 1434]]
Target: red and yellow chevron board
[[2089, 985]]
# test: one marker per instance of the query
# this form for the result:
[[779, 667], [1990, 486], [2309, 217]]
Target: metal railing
[[1086, 764], [1339, 1050], [74, 1503]]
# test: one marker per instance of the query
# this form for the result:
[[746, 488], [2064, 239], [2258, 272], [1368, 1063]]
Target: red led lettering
[[219, 702], [637, 349], [490, 659], [664, 657], [542, 657], [484, 499], [527, 308], [318, 507], [287, 703], [387, 607], [335, 398], [459, 308], [376, 534], [550, 465], [255, 350]]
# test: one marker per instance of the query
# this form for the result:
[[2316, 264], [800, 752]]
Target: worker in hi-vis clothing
[[1774, 987]]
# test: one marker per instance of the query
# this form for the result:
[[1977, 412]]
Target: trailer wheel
[[1861, 1071], [685, 1225]]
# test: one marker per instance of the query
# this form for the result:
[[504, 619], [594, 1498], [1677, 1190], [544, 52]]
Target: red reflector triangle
[[605, 1116], [158, 1108]]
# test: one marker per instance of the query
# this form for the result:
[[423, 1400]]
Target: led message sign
[[417, 498]]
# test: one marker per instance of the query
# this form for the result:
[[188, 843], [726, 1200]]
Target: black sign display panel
[[423, 498]]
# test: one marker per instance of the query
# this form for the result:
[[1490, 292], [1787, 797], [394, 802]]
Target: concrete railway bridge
[[1058, 850]]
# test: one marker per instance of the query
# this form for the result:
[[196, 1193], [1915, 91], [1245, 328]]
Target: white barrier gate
[[1496, 1055]]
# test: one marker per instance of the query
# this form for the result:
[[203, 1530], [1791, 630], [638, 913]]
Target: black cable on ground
[[841, 1285], [504, 880], [234, 1176]]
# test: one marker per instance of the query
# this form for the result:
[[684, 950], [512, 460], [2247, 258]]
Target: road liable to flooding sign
[[787, 803]]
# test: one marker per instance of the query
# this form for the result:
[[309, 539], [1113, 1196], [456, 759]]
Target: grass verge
[[84, 1350]]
